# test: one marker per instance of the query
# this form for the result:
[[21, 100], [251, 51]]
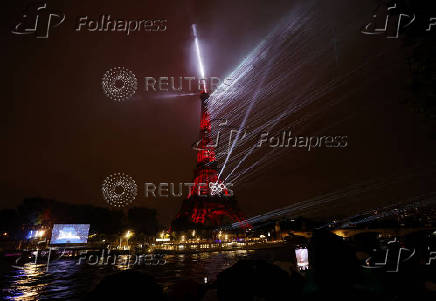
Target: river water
[[66, 279]]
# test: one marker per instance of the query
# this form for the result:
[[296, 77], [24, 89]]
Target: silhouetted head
[[332, 260], [127, 285], [186, 290], [254, 280]]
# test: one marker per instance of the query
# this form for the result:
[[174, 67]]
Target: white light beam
[[200, 62]]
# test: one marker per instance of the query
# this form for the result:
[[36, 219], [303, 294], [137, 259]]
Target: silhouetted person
[[334, 266], [254, 280], [186, 290], [127, 285]]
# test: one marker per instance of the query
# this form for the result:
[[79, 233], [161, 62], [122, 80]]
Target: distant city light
[[33, 234], [69, 233]]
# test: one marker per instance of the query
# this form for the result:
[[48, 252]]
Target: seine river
[[69, 280]]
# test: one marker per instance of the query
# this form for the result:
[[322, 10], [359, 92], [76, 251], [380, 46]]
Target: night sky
[[62, 136]]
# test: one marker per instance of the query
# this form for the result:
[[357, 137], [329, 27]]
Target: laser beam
[[200, 62]]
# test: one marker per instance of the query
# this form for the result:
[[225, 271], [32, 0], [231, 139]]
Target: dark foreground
[[339, 270]]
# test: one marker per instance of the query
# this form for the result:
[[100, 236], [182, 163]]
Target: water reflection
[[66, 279], [26, 283]]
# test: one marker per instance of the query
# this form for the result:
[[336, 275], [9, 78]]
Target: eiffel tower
[[209, 204]]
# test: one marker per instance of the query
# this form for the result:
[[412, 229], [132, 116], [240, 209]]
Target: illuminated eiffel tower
[[209, 203]]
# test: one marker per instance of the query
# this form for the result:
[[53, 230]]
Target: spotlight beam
[[200, 61]]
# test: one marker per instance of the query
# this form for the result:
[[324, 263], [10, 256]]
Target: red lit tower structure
[[209, 203]]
